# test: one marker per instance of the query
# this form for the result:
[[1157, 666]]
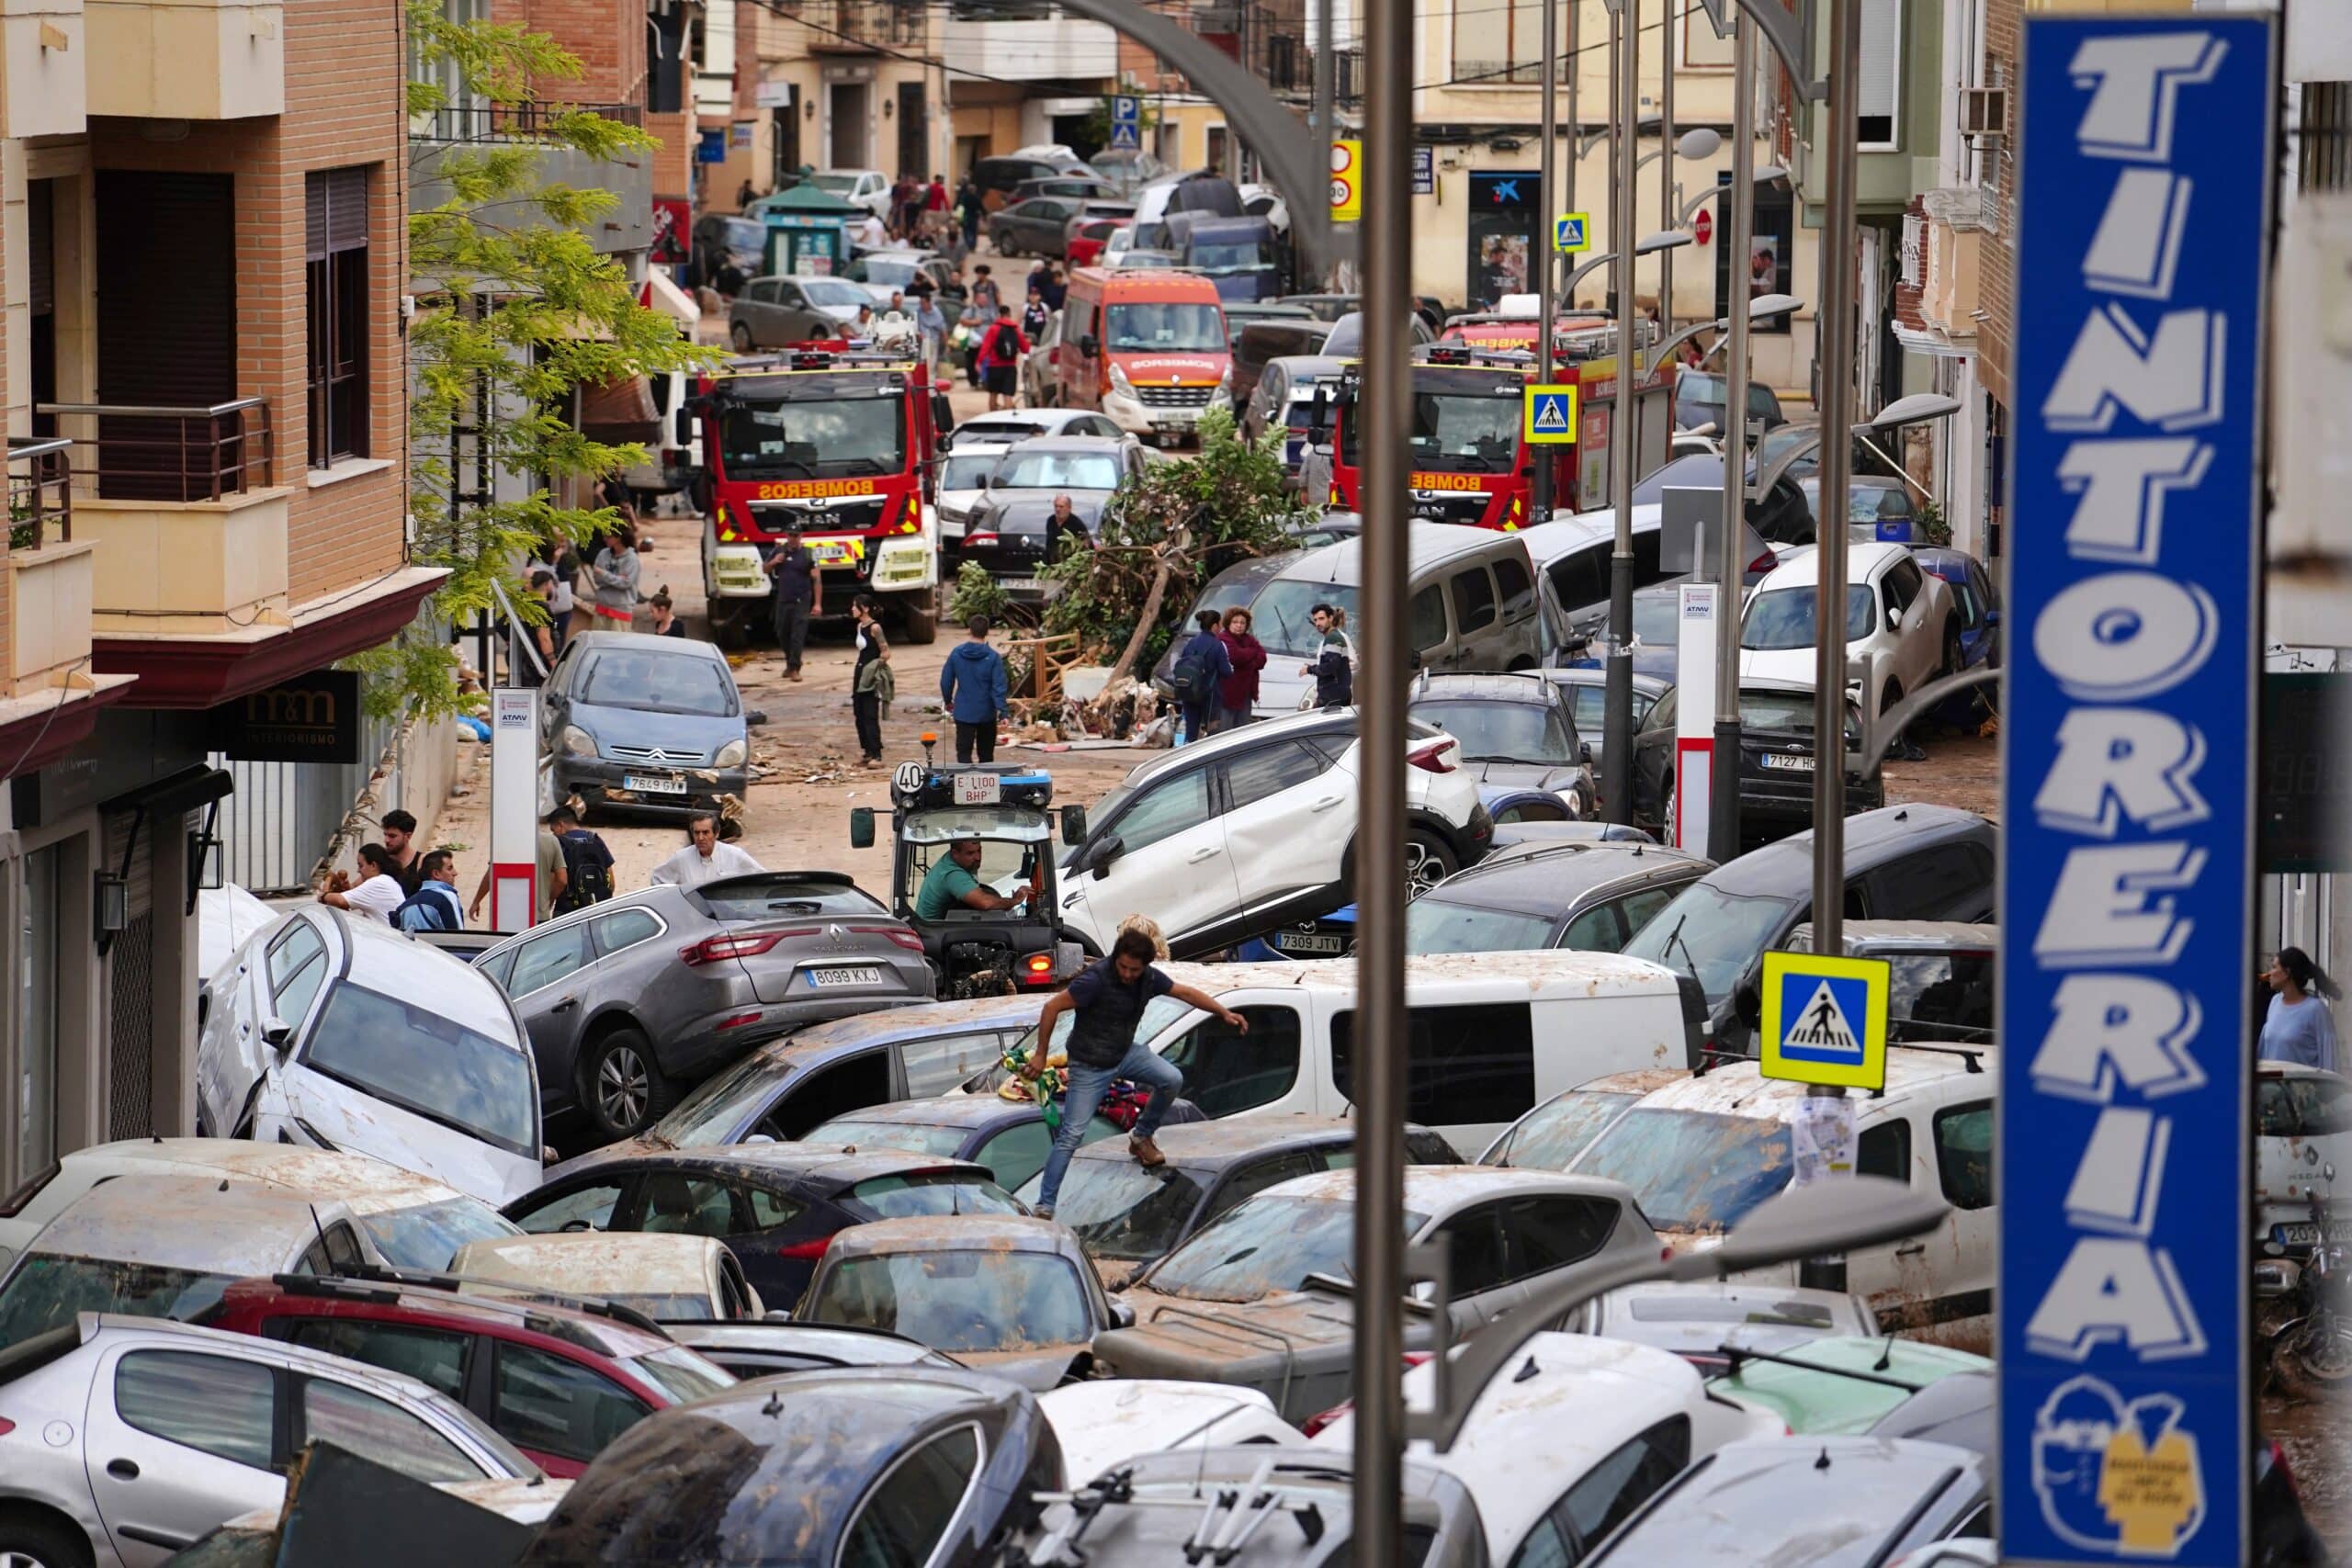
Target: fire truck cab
[[842, 443]]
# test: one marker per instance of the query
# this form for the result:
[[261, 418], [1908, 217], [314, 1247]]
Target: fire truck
[[1470, 462], [841, 443]]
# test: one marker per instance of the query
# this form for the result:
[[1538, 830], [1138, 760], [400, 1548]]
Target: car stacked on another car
[[1592, 897], [1517, 734], [1899, 625], [1011, 1137], [658, 1275], [1011, 533]]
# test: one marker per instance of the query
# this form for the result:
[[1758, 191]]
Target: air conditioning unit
[[1983, 113]]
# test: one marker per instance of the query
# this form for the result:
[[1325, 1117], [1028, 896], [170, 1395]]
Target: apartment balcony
[[1941, 251], [49, 694], [1040, 48], [861, 26], [44, 56], [190, 534], [463, 130], [186, 59]]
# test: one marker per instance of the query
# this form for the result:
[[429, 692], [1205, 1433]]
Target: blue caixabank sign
[[2144, 170]]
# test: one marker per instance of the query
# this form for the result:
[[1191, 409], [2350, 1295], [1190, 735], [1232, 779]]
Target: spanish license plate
[[837, 552], [1021, 584], [1787, 764], [862, 975], [977, 789], [2306, 1233], [1310, 941], [653, 784]]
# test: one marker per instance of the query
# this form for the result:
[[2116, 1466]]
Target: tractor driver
[[954, 880]]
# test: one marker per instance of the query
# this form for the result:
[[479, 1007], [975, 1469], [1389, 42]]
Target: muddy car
[[1106, 1422], [1128, 1216], [887, 1465], [690, 1278], [772, 1347], [1008, 1295], [1703, 1321], [1550, 1136], [1009, 1136], [1260, 1297]]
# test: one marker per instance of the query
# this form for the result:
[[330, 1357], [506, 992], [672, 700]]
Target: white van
[[1491, 1034]]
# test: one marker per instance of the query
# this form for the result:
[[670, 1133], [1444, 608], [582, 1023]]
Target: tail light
[[749, 944], [737, 1022], [1430, 758], [6, 1426], [1037, 969], [897, 934], [980, 541], [805, 1251], [1317, 1422], [1764, 563]]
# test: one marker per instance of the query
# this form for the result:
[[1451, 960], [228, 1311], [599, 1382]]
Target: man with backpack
[[434, 907], [587, 862], [1200, 665], [1000, 352]]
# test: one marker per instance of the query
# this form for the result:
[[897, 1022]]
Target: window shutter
[[1879, 99], [336, 211]]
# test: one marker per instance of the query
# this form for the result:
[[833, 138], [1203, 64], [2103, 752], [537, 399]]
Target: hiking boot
[[1042, 1210], [1146, 1153]]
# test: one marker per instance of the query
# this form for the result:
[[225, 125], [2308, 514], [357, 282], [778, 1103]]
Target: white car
[[664, 1275], [1236, 834], [1573, 1439], [868, 188], [128, 1445], [1899, 623], [415, 1222], [1696, 1319], [1106, 1422], [336, 1031], [2304, 1120], [1701, 1152]]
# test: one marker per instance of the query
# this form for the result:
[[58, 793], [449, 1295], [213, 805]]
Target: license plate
[[837, 552], [865, 974], [977, 789], [1788, 764], [2305, 1233], [1310, 941], [1021, 584], [653, 784]]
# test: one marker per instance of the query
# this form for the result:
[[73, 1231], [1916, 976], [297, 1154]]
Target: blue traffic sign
[[1126, 122], [1424, 171], [1572, 232], [2127, 819], [1548, 413], [1825, 1020]]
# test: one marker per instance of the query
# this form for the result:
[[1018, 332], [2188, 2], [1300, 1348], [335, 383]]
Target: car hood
[[1281, 687], [1182, 1330], [1035, 1370], [1778, 663], [692, 737], [359, 1124], [1551, 776]]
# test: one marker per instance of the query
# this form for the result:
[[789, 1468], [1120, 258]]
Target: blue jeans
[[1087, 1086]]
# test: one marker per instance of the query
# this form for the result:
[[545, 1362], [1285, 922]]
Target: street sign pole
[[1617, 692], [1674, 14], [1548, 258], [513, 807], [1737, 228]]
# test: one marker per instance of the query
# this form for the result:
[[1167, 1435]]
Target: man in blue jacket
[[972, 685]]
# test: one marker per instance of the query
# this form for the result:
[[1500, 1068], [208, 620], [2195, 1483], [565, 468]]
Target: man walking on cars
[[1108, 998]]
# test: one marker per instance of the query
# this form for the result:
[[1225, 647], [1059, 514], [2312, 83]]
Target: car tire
[[1950, 665], [1428, 860], [741, 338], [623, 1090], [36, 1540]]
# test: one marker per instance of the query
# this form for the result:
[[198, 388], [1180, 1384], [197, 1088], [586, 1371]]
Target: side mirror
[[1318, 411], [1123, 1314], [1584, 752], [943, 418], [1087, 344], [1073, 825], [278, 1033], [1109, 849], [861, 828], [1893, 618], [682, 425]]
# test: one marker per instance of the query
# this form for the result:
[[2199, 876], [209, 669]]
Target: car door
[[787, 316], [546, 988], [1227, 1072], [177, 1441], [1477, 614], [1425, 628], [1172, 862], [626, 973], [1286, 821], [756, 307], [1918, 640], [558, 1411]]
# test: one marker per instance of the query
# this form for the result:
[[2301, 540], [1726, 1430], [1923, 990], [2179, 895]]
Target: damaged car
[[689, 1278]]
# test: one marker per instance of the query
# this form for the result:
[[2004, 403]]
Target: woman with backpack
[[1237, 693], [1201, 664]]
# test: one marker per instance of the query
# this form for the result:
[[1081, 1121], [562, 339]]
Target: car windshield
[[1866, 505], [723, 1102], [1432, 925], [1692, 1170], [1235, 257], [956, 1299], [942, 1142], [1500, 732], [833, 291], [46, 1290], [966, 471], [1164, 325], [1550, 1136], [1453, 432], [658, 682], [1122, 1211], [757, 898], [1271, 1243], [930, 1192], [1280, 615], [1783, 617], [680, 1373], [802, 440], [1057, 470], [1658, 620], [426, 1063], [429, 1235], [891, 272], [665, 1308], [1710, 935]]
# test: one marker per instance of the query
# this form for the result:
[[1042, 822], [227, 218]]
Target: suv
[[1236, 834], [557, 1383], [1777, 758], [1517, 734]]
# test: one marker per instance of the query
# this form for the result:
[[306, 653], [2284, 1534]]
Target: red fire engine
[[842, 443]]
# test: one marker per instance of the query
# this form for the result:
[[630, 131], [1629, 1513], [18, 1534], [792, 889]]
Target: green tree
[[515, 311]]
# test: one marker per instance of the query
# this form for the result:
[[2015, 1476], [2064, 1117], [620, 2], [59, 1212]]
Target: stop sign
[[1703, 228]]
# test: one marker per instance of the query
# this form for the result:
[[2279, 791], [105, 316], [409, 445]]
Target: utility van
[[1148, 348]]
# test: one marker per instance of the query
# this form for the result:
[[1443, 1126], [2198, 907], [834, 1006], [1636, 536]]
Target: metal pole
[[1575, 119], [1385, 405], [1834, 335], [1666, 203], [1547, 256], [1737, 228], [1617, 727], [1326, 74]]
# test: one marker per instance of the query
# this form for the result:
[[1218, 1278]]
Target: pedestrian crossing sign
[[1548, 417], [1572, 232], [1825, 1020]]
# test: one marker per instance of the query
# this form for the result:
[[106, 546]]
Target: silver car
[[773, 311], [644, 722], [123, 1440]]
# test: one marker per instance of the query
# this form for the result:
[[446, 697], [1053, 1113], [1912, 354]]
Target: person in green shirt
[[953, 882]]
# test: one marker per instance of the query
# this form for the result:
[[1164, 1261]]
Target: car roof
[[366, 1185], [1441, 1189], [1646, 682], [1318, 366], [1739, 1088], [1213, 1146], [1835, 1501], [1426, 544], [919, 1022], [210, 1224], [1527, 687], [220, 1341], [1558, 972], [1313, 721], [1872, 838], [967, 1110], [951, 1233], [1863, 560], [843, 1163], [309, 1295], [394, 963], [646, 641], [593, 1263], [1865, 937], [1546, 879]]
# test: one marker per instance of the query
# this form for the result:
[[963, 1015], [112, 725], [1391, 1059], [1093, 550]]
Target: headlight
[[1224, 382], [578, 742], [1119, 383], [732, 755]]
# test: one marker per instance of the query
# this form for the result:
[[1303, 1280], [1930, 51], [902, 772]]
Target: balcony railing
[[40, 492], [486, 122], [156, 452]]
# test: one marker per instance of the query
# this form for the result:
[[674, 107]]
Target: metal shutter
[[167, 324], [335, 215]]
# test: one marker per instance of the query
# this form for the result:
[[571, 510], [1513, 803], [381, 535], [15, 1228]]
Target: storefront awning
[[202, 671], [619, 411], [660, 294]]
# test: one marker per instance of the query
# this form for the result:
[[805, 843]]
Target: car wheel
[[1428, 860], [30, 1541], [623, 1088], [742, 335], [1950, 666]]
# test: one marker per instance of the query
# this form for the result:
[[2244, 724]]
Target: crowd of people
[[1215, 677]]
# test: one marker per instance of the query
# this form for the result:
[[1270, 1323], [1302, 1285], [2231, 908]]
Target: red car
[[1087, 236], [557, 1383]]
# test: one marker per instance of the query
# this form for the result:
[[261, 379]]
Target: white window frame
[[1895, 76]]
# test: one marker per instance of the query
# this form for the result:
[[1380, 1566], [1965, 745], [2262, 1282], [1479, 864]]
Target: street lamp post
[[1617, 755], [1739, 228], [1546, 258]]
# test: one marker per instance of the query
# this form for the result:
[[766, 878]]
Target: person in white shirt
[[379, 891], [705, 859]]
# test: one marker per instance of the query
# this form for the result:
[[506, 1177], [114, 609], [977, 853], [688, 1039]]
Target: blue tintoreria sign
[[2145, 171]]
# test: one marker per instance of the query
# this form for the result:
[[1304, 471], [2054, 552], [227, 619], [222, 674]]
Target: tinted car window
[[1885, 1150], [1964, 1155], [903, 1520], [211, 1403], [1462, 1064], [1518, 588], [431, 1356], [678, 1204], [1169, 807], [1547, 1233], [1477, 1256], [589, 1207], [1613, 1489], [1934, 883], [1580, 578], [1227, 1072], [554, 1406], [377, 1429], [1269, 770], [1474, 599], [1425, 623]]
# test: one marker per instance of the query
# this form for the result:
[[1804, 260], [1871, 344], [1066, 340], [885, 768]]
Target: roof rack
[[595, 1306]]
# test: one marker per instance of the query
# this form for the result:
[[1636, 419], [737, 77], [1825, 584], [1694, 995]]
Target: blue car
[[1976, 602]]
